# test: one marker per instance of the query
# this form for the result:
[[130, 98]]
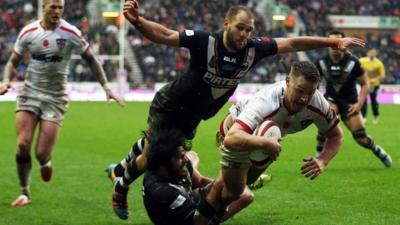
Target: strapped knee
[[363, 139], [359, 134]]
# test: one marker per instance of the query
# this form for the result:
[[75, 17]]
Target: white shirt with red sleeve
[[50, 54], [267, 104]]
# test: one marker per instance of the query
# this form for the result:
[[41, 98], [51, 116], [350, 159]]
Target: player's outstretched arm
[[309, 43], [97, 69], [363, 82], [12, 63], [314, 166], [151, 30]]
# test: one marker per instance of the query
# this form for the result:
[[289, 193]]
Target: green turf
[[355, 188]]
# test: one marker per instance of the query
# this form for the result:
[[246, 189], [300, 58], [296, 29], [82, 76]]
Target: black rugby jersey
[[214, 73], [169, 201], [340, 77]]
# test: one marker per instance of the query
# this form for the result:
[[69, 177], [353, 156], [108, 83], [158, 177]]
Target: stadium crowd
[[313, 14], [162, 64], [17, 13]]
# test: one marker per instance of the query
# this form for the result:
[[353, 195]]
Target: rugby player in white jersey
[[293, 105], [42, 101]]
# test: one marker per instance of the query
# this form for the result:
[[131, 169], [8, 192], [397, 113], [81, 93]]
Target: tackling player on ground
[[174, 192]]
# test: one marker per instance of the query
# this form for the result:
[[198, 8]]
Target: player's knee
[[233, 194], [42, 156], [24, 146], [230, 197]]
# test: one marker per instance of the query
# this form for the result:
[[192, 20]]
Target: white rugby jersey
[[51, 51], [267, 104]]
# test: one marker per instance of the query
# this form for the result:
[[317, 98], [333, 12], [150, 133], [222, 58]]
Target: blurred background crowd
[[161, 64]]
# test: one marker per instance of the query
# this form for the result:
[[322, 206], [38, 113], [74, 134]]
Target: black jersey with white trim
[[340, 77], [214, 73], [169, 201]]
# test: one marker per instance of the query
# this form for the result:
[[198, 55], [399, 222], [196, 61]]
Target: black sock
[[24, 166], [131, 173], [136, 150], [120, 189], [370, 144]]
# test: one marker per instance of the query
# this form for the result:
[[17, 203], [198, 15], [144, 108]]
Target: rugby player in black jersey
[[174, 192], [342, 73]]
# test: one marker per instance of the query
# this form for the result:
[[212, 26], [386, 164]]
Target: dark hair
[[163, 145], [306, 69], [336, 32], [234, 10]]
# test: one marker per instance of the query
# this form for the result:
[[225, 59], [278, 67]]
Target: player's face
[[335, 52], [372, 54], [53, 11], [177, 165], [299, 93], [238, 31]]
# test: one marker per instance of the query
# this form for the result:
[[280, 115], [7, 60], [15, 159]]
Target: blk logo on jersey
[[229, 59], [61, 43]]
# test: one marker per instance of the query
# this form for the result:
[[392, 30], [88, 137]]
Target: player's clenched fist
[[131, 11]]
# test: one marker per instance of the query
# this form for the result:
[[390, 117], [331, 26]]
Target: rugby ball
[[258, 157]]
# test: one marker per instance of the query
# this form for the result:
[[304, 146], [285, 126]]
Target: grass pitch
[[354, 189]]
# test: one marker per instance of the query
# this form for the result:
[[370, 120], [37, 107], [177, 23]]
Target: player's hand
[[116, 97], [346, 42], [4, 88], [312, 167], [273, 147], [355, 108], [131, 11]]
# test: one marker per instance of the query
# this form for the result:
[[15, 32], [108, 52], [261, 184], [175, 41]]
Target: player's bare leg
[[256, 178], [234, 180], [375, 106], [245, 199], [47, 137], [355, 125], [25, 126]]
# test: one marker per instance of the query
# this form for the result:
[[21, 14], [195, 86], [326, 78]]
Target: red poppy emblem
[[45, 43]]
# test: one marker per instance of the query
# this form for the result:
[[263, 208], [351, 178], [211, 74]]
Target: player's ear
[[226, 23], [287, 80]]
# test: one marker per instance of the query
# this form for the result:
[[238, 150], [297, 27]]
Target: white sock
[[48, 164]]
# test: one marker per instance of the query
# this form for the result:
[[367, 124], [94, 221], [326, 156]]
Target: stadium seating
[[162, 64]]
